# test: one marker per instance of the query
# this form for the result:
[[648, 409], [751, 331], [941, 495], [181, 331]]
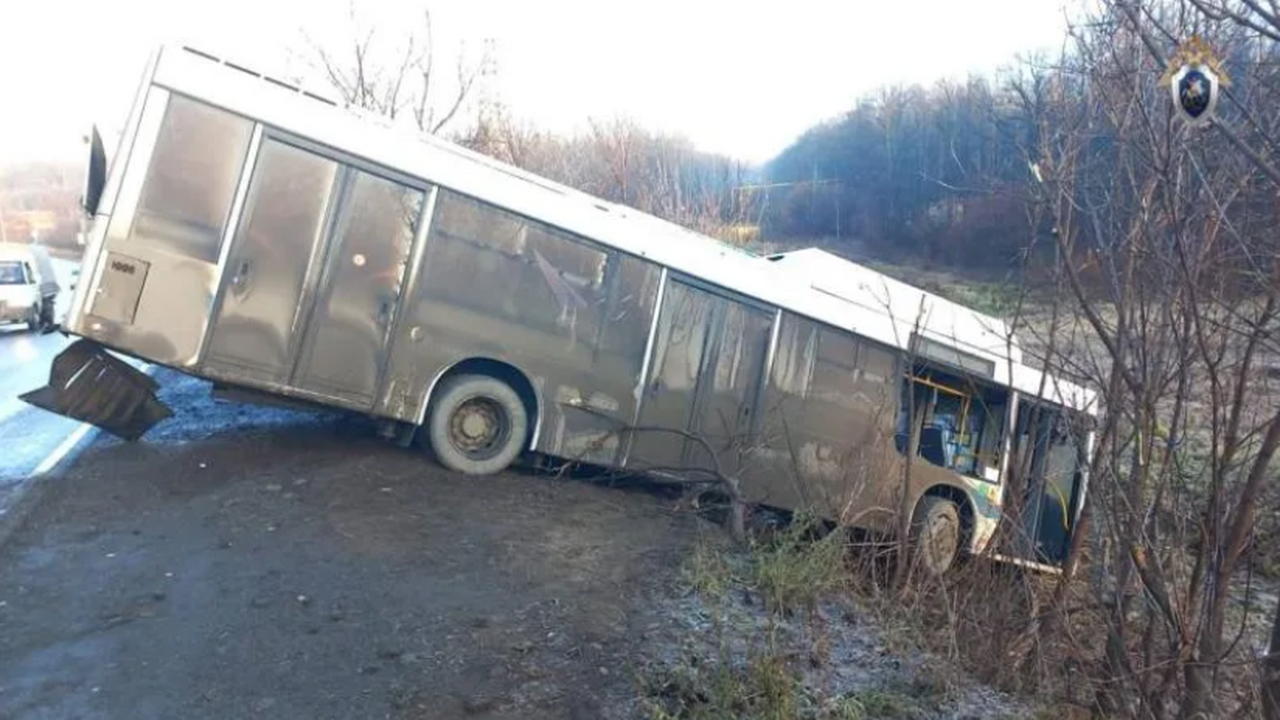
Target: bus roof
[[812, 282]]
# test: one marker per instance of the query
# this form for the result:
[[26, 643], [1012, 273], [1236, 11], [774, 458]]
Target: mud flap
[[87, 383]]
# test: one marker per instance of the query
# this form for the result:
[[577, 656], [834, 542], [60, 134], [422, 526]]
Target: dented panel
[[570, 316]]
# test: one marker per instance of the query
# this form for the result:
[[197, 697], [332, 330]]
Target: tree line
[[620, 161], [926, 172]]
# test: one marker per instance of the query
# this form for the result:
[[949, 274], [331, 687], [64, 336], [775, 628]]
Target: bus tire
[[935, 534], [477, 424]]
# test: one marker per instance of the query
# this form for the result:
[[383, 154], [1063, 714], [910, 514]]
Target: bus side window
[[957, 423], [875, 364], [634, 286], [187, 195], [835, 368], [796, 356], [499, 264]]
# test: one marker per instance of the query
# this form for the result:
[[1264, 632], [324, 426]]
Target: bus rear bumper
[[89, 384]]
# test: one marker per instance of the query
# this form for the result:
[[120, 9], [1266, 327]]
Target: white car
[[28, 286]]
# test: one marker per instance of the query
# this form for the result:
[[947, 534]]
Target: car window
[[11, 274]]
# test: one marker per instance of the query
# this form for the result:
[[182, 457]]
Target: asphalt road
[[28, 435]]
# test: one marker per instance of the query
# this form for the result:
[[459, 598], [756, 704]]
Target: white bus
[[263, 238]]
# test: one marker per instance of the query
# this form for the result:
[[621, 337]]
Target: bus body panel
[[699, 402], [872, 305]]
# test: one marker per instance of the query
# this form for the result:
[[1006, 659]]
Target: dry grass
[[794, 569], [789, 570], [764, 687], [785, 636]]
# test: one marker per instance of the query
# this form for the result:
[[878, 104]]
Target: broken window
[[957, 422]]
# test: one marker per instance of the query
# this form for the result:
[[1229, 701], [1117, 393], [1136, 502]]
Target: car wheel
[[935, 534], [477, 425], [47, 323], [35, 319]]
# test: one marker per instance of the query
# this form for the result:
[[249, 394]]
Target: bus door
[[1050, 453], [313, 277], [704, 376]]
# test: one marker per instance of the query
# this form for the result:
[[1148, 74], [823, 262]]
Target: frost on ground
[[729, 644]]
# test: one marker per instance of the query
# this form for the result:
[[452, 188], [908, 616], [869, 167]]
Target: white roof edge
[[1038, 384], [945, 320]]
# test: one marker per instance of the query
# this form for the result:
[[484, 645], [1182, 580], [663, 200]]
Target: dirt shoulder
[[296, 569]]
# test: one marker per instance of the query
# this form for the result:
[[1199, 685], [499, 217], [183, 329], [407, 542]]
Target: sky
[[739, 78]]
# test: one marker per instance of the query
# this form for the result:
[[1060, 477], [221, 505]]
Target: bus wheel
[[477, 425], [935, 534]]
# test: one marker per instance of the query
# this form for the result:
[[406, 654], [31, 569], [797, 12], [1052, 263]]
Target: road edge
[[31, 489]]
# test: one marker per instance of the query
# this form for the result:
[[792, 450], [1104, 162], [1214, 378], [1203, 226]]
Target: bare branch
[[383, 80], [466, 78]]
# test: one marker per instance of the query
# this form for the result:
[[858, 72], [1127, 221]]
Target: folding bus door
[[704, 375], [254, 335], [314, 277]]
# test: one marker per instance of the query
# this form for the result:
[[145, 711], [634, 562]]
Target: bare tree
[[620, 161], [1249, 30], [1180, 310], [392, 72]]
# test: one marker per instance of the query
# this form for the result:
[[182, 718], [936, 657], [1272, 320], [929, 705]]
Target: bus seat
[[934, 445]]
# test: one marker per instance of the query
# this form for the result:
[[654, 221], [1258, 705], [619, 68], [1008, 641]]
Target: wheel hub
[[474, 425], [478, 427]]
